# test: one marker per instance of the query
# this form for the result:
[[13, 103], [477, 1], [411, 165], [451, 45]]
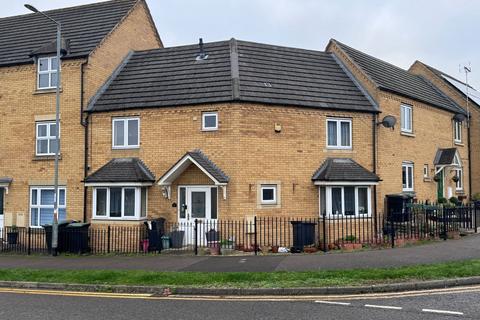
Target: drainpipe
[[84, 123], [469, 146], [374, 157]]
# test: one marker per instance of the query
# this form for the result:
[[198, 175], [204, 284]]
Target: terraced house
[[96, 37], [427, 153], [225, 130], [230, 130]]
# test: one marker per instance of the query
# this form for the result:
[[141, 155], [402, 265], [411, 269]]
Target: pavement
[[435, 304], [435, 252]]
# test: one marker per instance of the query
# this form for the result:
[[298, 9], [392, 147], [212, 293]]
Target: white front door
[[2, 198], [195, 203]]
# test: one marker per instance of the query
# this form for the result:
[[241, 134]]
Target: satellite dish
[[389, 122], [459, 117]]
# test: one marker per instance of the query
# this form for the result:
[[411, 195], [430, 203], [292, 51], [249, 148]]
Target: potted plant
[[454, 201], [12, 235], [455, 179]]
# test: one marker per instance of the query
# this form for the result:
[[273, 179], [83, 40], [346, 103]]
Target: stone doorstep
[[166, 291]]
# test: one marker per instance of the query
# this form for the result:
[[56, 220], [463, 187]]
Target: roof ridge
[[70, 7], [234, 69]]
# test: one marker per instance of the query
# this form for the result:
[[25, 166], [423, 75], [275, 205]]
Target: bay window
[[127, 203], [345, 200]]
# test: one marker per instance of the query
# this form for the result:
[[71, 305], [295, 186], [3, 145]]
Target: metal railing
[[259, 234]]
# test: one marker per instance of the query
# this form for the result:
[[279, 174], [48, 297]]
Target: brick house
[[229, 130], [426, 155], [456, 90], [96, 37]]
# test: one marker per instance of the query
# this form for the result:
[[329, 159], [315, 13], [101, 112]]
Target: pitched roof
[[200, 160], [233, 71], [83, 27], [460, 86], [5, 180], [391, 78], [122, 170], [343, 169], [445, 156]]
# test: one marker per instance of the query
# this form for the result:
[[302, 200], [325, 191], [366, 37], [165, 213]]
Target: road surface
[[457, 303]]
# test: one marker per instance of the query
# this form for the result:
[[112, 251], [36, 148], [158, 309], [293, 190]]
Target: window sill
[[47, 91], [46, 158], [426, 179], [460, 192], [210, 130], [460, 144], [407, 134], [119, 219], [126, 148]]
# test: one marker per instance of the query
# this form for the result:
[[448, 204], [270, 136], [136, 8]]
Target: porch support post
[[224, 191]]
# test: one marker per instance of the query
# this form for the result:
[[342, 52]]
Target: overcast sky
[[442, 33]]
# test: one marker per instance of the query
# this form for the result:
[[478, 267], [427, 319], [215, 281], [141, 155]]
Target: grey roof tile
[[122, 170], [445, 156], [209, 166], [395, 79], [343, 169], [234, 71], [82, 26], [6, 180]]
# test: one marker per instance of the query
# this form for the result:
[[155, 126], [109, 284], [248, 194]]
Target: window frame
[[49, 72], [426, 171], [274, 187], [329, 205], [408, 165], [138, 204], [48, 137], [457, 131], [459, 183], [206, 114], [403, 118], [338, 144], [125, 121], [44, 206]]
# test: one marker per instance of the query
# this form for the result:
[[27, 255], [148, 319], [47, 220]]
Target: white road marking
[[443, 312], [242, 260], [333, 302], [383, 307]]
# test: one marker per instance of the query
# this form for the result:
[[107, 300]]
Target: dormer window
[[47, 73]]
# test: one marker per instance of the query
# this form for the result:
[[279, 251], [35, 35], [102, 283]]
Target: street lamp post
[[57, 131]]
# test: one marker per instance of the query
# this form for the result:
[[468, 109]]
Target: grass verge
[[287, 279]]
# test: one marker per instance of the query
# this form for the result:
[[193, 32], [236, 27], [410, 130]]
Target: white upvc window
[[268, 194], [125, 133], [210, 121], [47, 73], [46, 141], [459, 182], [120, 203], [457, 130], [346, 200], [407, 176], [42, 202], [406, 118], [339, 133]]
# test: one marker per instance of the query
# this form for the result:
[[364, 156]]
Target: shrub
[[476, 196], [454, 200], [442, 200]]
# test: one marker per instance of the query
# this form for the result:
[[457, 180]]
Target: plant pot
[[12, 237], [274, 249], [310, 249]]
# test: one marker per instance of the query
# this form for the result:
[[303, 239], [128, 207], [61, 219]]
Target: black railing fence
[[258, 234]]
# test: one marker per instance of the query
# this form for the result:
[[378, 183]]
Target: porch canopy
[[448, 157], [343, 171], [5, 182], [121, 171], [199, 159]]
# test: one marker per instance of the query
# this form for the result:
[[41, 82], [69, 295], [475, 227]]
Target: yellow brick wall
[[20, 104], [433, 129], [245, 147], [135, 32], [420, 69]]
